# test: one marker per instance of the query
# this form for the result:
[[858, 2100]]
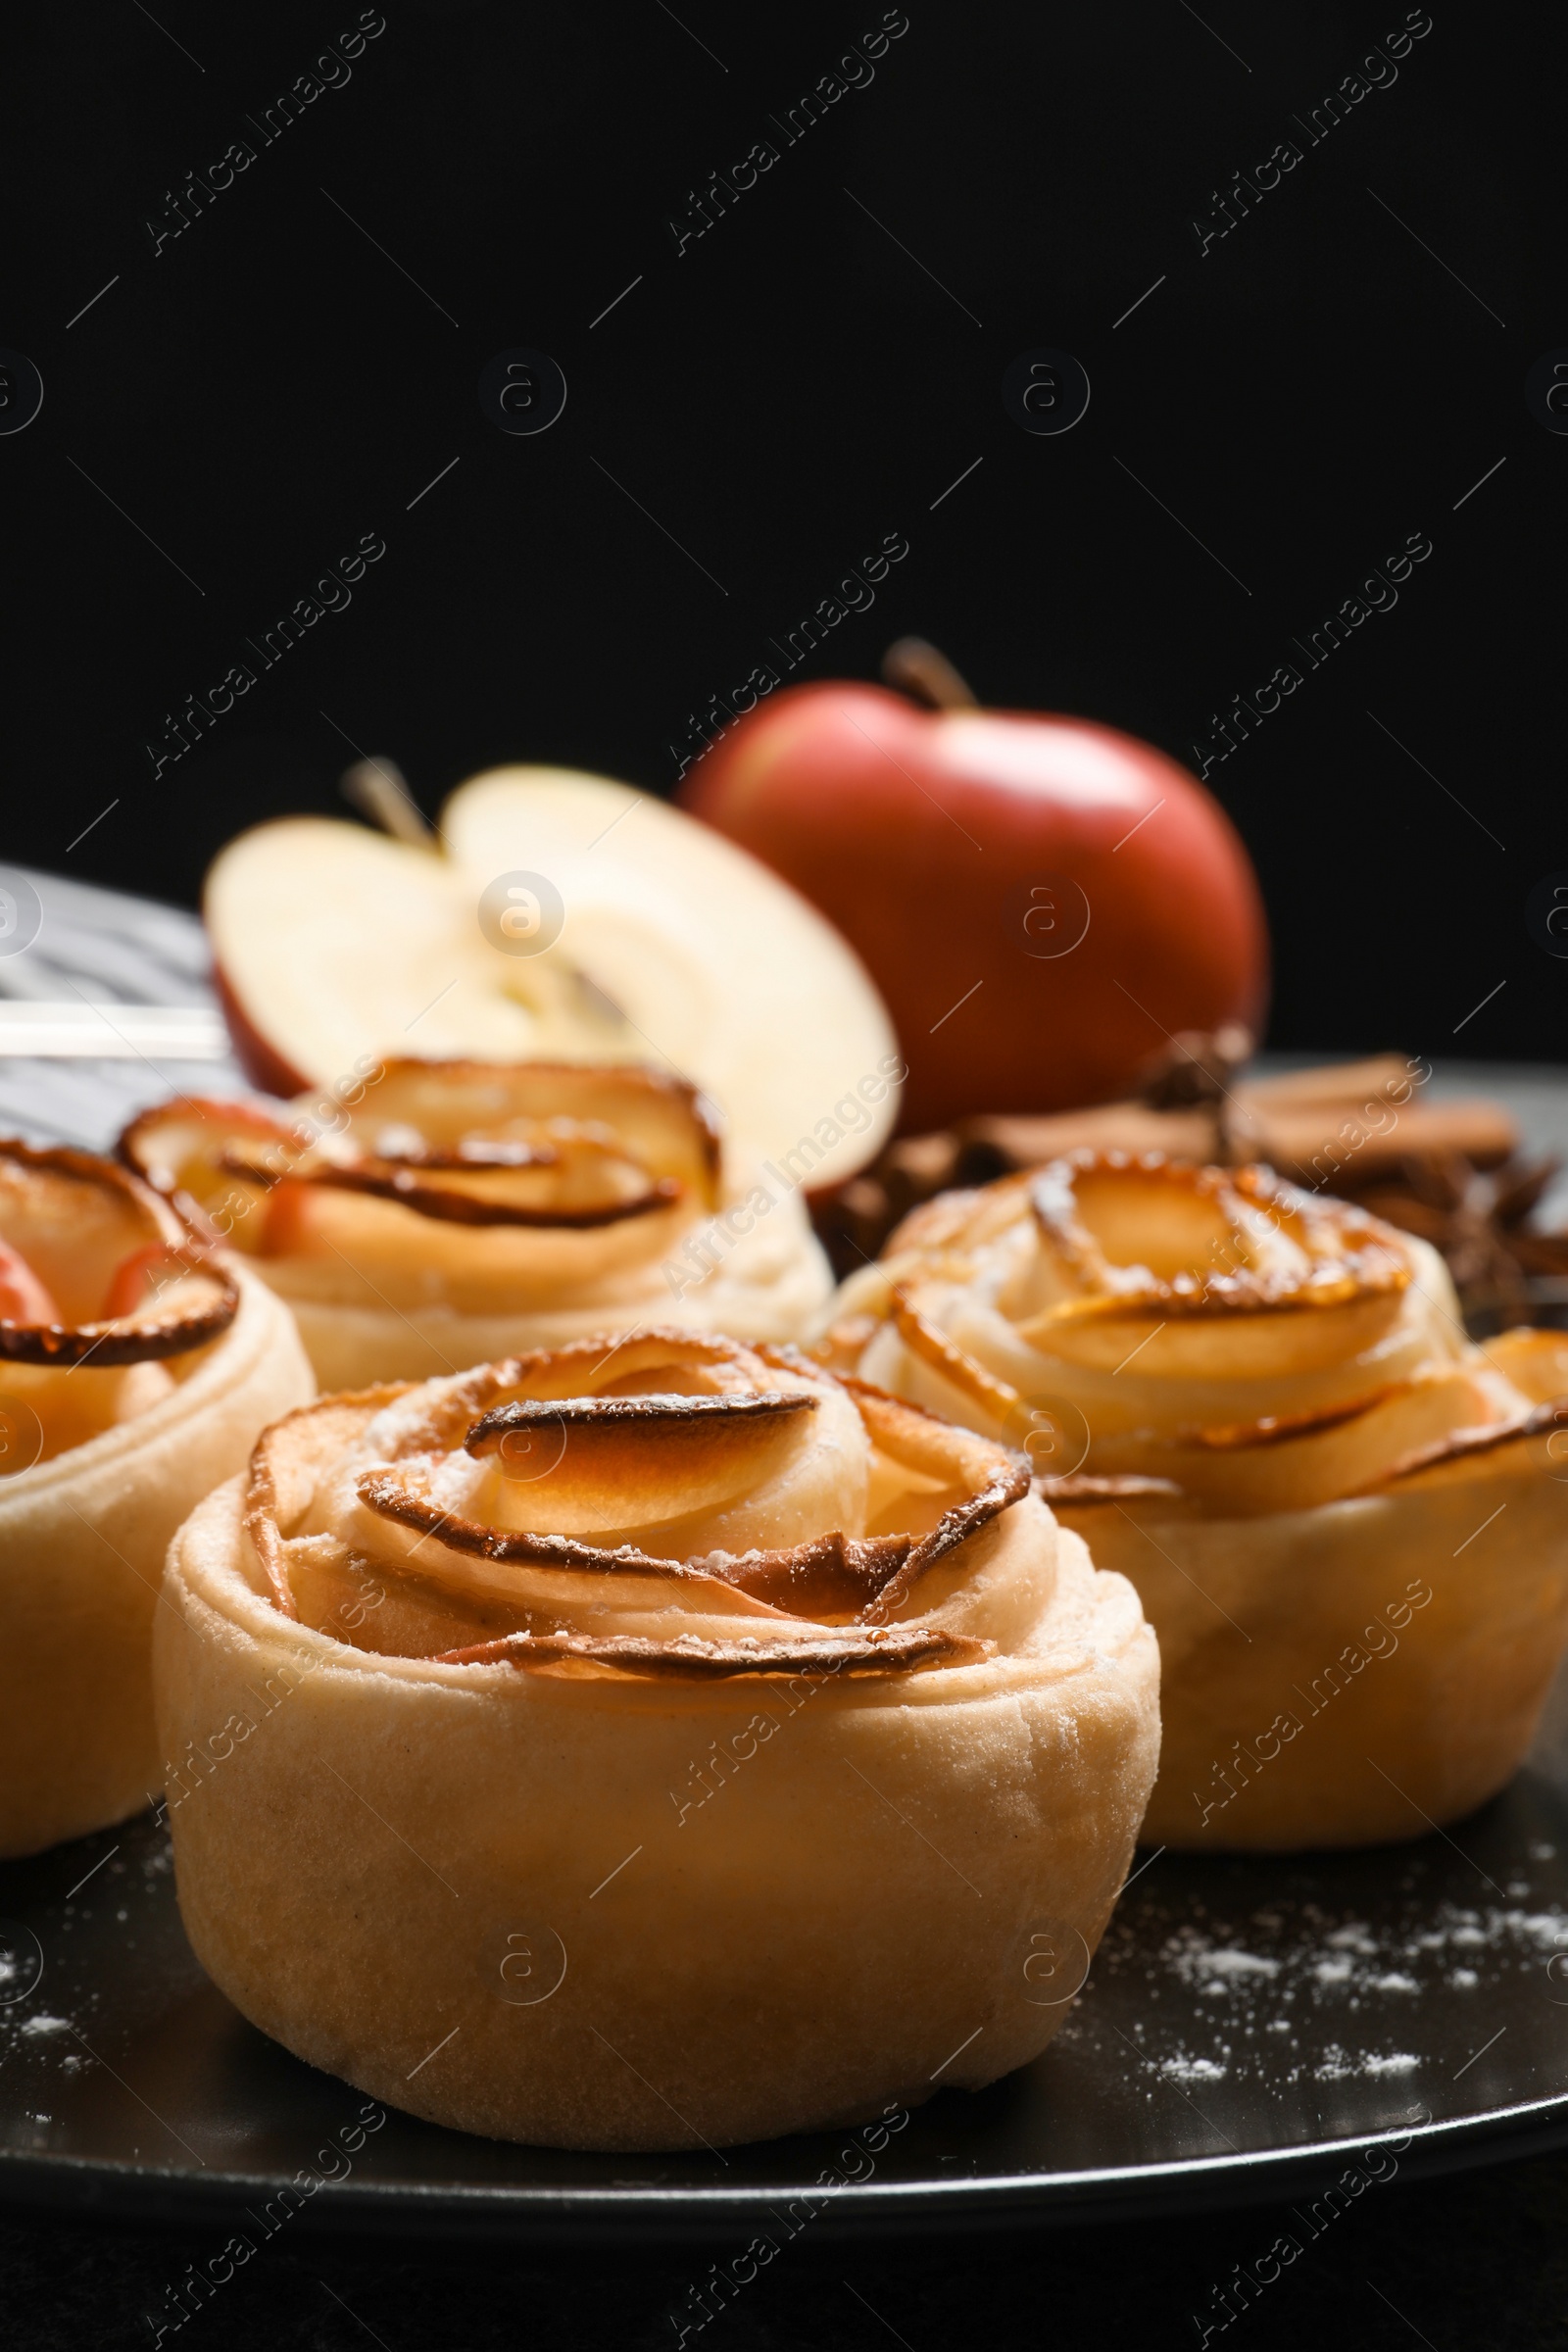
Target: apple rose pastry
[[668, 1744], [1345, 1523], [434, 1215], [136, 1372]]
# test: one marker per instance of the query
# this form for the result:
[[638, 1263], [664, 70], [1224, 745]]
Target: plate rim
[[174, 2195]]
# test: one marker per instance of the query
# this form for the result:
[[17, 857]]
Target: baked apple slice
[[441, 1213]]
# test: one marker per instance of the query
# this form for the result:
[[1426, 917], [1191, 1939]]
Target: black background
[[1315, 388], [270, 386]]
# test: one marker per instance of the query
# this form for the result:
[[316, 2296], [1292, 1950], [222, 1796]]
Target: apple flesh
[[336, 946], [952, 846]]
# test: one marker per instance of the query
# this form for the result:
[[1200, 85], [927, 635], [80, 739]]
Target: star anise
[[1480, 1222]]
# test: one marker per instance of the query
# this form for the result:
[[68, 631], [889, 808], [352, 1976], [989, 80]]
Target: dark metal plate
[[1250, 2030]]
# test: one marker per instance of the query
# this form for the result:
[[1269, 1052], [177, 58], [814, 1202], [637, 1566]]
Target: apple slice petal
[[502, 1196], [616, 1461], [191, 1149], [114, 1276], [661, 1121], [548, 1145]]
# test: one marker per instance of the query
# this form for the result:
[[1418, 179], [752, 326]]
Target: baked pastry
[[668, 1744], [426, 1217], [136, 1372], [1345, 1523]]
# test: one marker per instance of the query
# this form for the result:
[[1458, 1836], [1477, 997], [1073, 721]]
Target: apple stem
[[920, 670], [377, 790]]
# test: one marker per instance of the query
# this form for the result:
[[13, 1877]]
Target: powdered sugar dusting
[[1185, 2069], [1338, 2064], [1294, 1993], [1200, 1964]]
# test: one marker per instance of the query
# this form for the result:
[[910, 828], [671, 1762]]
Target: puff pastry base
[[1355, 1672], [82, 1539], [647, 1909]]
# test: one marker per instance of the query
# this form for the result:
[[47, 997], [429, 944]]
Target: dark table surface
[[1462, 2265]]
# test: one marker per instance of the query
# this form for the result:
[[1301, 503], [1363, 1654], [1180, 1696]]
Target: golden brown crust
[[860, 1650], [648, 1341], [383, 1180], [389, 1499], [1279, 1429], [1082, 1485], [1459, 1442], [648, 1414], [833, 1575], [1010, 1483], [858, 1562], [938, 1352], [829, 1574], [280, 1476], [566, 1369]]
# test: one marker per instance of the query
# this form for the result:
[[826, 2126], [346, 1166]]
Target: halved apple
[[333, 943]]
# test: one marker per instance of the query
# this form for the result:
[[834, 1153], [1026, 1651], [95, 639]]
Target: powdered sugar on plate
[[1293, 1993], [1185, 2069], [1337, 2065], [1212, 1969]]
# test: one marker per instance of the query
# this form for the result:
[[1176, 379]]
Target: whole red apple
[[1042, 902]]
